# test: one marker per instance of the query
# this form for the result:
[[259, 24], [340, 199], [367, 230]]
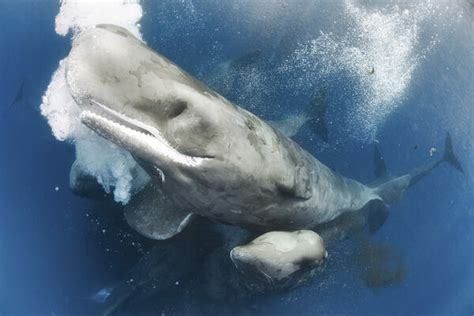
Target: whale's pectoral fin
[[389, 193], [155, 216], [377, 214]]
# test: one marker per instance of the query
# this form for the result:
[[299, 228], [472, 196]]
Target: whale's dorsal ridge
[[392, 190]]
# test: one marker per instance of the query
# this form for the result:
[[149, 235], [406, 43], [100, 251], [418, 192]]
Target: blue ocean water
[[57, 250]]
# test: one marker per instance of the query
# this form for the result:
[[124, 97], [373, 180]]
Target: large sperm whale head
[[140, 100], [174, 126]]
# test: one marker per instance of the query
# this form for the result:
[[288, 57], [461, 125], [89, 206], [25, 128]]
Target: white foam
[[113, 167], [59, 107], [79, 15]]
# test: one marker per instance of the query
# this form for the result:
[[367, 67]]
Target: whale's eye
[[178, 107]]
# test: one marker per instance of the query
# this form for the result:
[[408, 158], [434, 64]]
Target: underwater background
[[397, 74]]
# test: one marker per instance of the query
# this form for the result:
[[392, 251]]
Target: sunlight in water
[[379, 52]]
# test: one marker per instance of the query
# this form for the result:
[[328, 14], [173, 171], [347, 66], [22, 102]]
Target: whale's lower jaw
[[139, 139]]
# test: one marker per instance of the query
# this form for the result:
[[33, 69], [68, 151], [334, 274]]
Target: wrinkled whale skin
[[233, 168]]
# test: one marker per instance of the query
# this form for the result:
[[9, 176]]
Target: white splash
[[79, 15], [113, 167], [384, 58], [379, 51]]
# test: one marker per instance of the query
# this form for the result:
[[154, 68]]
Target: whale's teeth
[[105, 127]]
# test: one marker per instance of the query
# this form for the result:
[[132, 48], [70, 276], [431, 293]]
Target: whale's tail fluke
[[449, 155], [388, 193], [392, 190]]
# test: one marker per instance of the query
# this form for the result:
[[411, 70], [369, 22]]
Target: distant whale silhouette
[[19, 96]]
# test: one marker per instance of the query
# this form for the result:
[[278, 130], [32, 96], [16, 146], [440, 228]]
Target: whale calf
[[205, 155], [279, 259]]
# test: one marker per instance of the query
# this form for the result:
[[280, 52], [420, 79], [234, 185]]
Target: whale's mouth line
[[132, 133]]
